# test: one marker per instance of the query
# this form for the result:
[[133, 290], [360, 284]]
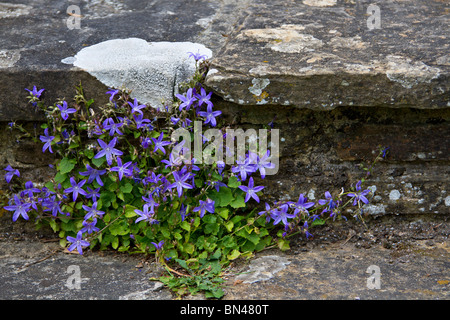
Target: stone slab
[[326, 54], [38, 35], [412, 257]]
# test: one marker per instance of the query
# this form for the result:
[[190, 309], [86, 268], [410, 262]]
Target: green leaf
[[115, 243], [126, 188], [189, 248], [233, 255], [98, 162], [119, 227], [318, 222], [223, 212], [229, 225], [283, 244], [238, 202], [186, 226], [66, 165], [233, 182], [54, 226], [211, 228], [129, 211]]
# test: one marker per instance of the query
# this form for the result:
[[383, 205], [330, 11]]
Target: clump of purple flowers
[[122, 181]]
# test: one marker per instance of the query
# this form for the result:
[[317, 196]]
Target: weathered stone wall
[[322, 151]]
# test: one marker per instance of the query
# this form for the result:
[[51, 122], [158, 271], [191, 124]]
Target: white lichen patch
[[394, 195], [287, 38], [8, 58], [447, 201], [263, 268], [152, 70], [320, 3], [258, 85], [402, 70], [12, 10]]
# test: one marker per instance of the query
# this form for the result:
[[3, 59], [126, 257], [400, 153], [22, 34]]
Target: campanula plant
[[122, 182]]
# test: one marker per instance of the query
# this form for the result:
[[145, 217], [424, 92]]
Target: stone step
[[321, 54], [271, 60]]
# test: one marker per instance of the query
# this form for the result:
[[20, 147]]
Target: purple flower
[[146, 142], [20, 208], [140, 121], [93, 194], [360, 195], [187, 100], [301, 204], [203, 97], [210, 115], [93, 174], [30, 189], [76, 188], [35, 92], [158, 245], [89, 227], [65, 110], [112, 92], [113, 127], [77, 242], [282, 215], [51, 204], [11, 172], [159, 143], [261, 163], [328, 200], [47, 139], [204, 206], [244, 168], [251, 190], [146, 215], [197, 56], [108, 150], [92, 211], [172, 162], [136, 107], [122, 169], [180, 182]]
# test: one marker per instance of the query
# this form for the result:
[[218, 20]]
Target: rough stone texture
[[322, 54], [35, 38], [276, 60], [412, 255]]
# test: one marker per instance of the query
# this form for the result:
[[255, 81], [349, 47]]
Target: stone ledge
[[321, 55]]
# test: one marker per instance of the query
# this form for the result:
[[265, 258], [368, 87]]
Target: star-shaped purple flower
[[77, 242], [180, 182], [108, 150], [47, 139], [251, 190], [187, 100], [210, 115], [76, 188], [159, 143], [20, 208], [11, 172], [136, 107], [65, 110], [204, 206]]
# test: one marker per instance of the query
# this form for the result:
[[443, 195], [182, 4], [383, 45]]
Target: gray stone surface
[[36, 37], [412, 256], [325, 54]]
